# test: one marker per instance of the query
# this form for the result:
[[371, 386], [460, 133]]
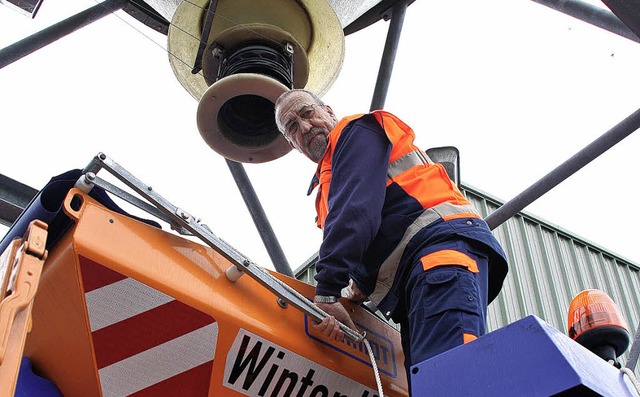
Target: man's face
[[305, 124]]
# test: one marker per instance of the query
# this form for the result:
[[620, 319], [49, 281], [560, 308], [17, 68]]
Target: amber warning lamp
[[596, 323]]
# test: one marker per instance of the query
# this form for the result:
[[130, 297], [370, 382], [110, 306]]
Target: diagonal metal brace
[[206, 30], [628, 11], [89, 179], [177, 216]]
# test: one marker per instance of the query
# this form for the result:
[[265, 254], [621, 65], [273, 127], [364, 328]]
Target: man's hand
[[330, 326]]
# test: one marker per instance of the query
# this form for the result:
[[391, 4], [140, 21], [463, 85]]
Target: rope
[[372, 358], [633, 378], [376, 373]]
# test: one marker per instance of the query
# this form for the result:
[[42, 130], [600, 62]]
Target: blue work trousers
[[443, 304]]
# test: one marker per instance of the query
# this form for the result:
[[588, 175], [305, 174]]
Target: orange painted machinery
[[124, 308]]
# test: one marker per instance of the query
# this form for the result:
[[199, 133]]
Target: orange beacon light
[[595, 322]]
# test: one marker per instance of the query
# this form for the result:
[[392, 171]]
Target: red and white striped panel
[[146, 343]]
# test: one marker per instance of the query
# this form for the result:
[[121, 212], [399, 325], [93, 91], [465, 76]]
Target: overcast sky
[[517, 87]]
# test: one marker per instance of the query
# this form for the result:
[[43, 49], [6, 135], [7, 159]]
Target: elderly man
[[396, 229]]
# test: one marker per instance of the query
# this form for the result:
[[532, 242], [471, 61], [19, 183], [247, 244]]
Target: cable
[[266, 38], [153, 41]]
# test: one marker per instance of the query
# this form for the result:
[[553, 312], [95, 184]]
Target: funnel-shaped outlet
[[236, 119]]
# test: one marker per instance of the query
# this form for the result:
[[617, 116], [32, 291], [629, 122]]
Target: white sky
[[517, 87]]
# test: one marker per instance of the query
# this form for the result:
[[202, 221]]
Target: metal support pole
[[14, 198], [628, 11], [398, 11], [635, 351], [260, 218], [48, 35], [607, 140], [596, 16]]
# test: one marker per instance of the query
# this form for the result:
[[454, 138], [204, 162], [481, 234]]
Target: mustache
[[313, 133]]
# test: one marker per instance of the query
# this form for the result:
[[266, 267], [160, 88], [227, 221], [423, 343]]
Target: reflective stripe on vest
[[416, 157], [389, 268]]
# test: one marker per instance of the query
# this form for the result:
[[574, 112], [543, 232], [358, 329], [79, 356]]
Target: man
[[396, 229]]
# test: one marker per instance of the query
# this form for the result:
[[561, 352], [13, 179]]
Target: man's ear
[[291, 144]]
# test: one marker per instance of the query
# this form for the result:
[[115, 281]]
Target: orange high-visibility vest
[[412, 170], [409, 167]]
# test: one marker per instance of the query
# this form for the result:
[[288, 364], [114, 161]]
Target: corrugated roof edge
[[543, 222]]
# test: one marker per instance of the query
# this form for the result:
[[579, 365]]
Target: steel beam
[[252, 202], [48, 35], [591, 14], [14, 198], [628, 11], [398, 12], [605, 142]]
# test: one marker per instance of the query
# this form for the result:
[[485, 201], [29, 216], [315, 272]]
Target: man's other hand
[[330, 326]]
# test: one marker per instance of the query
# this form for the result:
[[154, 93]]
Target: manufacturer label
[[382, 348]]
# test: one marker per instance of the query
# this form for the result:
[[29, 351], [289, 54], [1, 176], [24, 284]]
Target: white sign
[[258, 367]]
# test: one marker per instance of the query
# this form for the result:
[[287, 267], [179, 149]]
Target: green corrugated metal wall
[[549, 266]]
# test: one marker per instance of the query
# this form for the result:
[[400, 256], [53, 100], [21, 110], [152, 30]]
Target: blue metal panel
[[526, 358]]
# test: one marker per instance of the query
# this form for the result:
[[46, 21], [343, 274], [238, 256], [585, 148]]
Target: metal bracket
[[206, 29], [181, 218], [20, 268]]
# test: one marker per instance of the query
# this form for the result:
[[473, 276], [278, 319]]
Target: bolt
[[102, 156], [288, 47], [90, 177]]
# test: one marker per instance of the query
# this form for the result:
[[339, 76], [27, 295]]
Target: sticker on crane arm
[[381, 346], [257, 367]]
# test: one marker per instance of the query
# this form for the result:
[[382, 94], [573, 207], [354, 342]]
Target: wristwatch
[[325, 299]]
